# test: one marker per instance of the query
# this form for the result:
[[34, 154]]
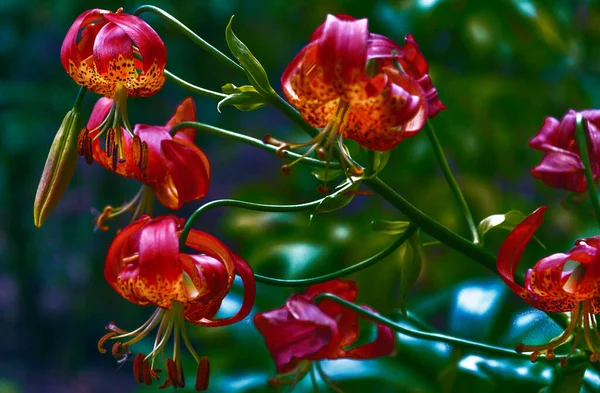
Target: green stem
[[193, 88], [432, 227], [244, 205], [419, 334], [454, 187], [583, 139], [191, 35], [79, 98], [250, 141], [343, 272]]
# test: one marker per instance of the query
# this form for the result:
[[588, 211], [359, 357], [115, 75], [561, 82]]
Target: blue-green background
[[500, 66]]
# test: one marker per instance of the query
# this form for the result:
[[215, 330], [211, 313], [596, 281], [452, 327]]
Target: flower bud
[[59, 168]]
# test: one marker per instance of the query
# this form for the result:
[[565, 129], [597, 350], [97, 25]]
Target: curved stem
[[193, 88], [583, 138], [79, 98], [432, 227], [419, 334], [454, 187], [244, 205], [343, 272], [250, 141], [191, 35]]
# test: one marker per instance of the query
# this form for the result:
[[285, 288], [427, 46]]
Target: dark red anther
[[138, 367], [323, 190], [110, 144], [286, 170], [103, 340], [203, 374]]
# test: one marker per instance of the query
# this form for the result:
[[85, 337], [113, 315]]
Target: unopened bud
[[58, 169]]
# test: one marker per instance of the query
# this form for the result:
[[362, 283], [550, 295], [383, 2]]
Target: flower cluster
[[354, 84]]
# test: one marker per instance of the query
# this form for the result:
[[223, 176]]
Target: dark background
[[500, 66]]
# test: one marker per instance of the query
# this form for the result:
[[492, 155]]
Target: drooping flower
[[116, 55], [361, 86], [146, 266], [304, 330], [176, 170], [562, 282], [561, 166]]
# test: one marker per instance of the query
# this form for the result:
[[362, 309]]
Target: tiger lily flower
[[303, 331], [176, 171], [357, 85], [145, 266], [116, 55], [561, 282], [561, 166]]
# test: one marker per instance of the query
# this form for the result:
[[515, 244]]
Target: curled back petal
[[159, 277], [547, 134], [511, 250], [186, 111], [119, 250], [290, 340], [546, 277], [245, 272], [382, 345], [206, 282], [113, 53], [188, 176], [69, 51], [148, 42], [561, 169], [210, 245], [342, 50]]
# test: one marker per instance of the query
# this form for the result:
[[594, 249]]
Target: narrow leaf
[[390, 227], [410, 267], [254, 70], [244, 98]]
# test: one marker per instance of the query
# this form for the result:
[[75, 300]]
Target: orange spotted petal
[[396, 112], [155, 275], [185, 111], [71, 51], [113, 53]]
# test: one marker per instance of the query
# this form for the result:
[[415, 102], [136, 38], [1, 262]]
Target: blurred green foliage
[[500, 66]]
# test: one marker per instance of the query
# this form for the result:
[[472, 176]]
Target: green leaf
[[254, 70], [506, 221], [59, 168], [244, 98], [327, 175], [338, 199], [380, 161], [390, 227], [566, 380], [410, 266]]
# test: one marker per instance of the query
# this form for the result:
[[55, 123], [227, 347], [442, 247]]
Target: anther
[[280, 152], [534, 356], [137, 150], [321, 154], [138, 367], [594, 357], [520, 348], [115, 156], [103, 341], [119, 350], [563, 362], [356, 171], [203, 374], [81, 138], [106, 213], [550, 355], [145, 157], [286, 170], [110, 142], [111, 326], [173, 373]]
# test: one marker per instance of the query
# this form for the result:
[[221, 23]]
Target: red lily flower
[[145, 266], [561, 166], [104, 51], [116, 55], [176, 170], [360, 85], [302, 330], [553, 286]]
